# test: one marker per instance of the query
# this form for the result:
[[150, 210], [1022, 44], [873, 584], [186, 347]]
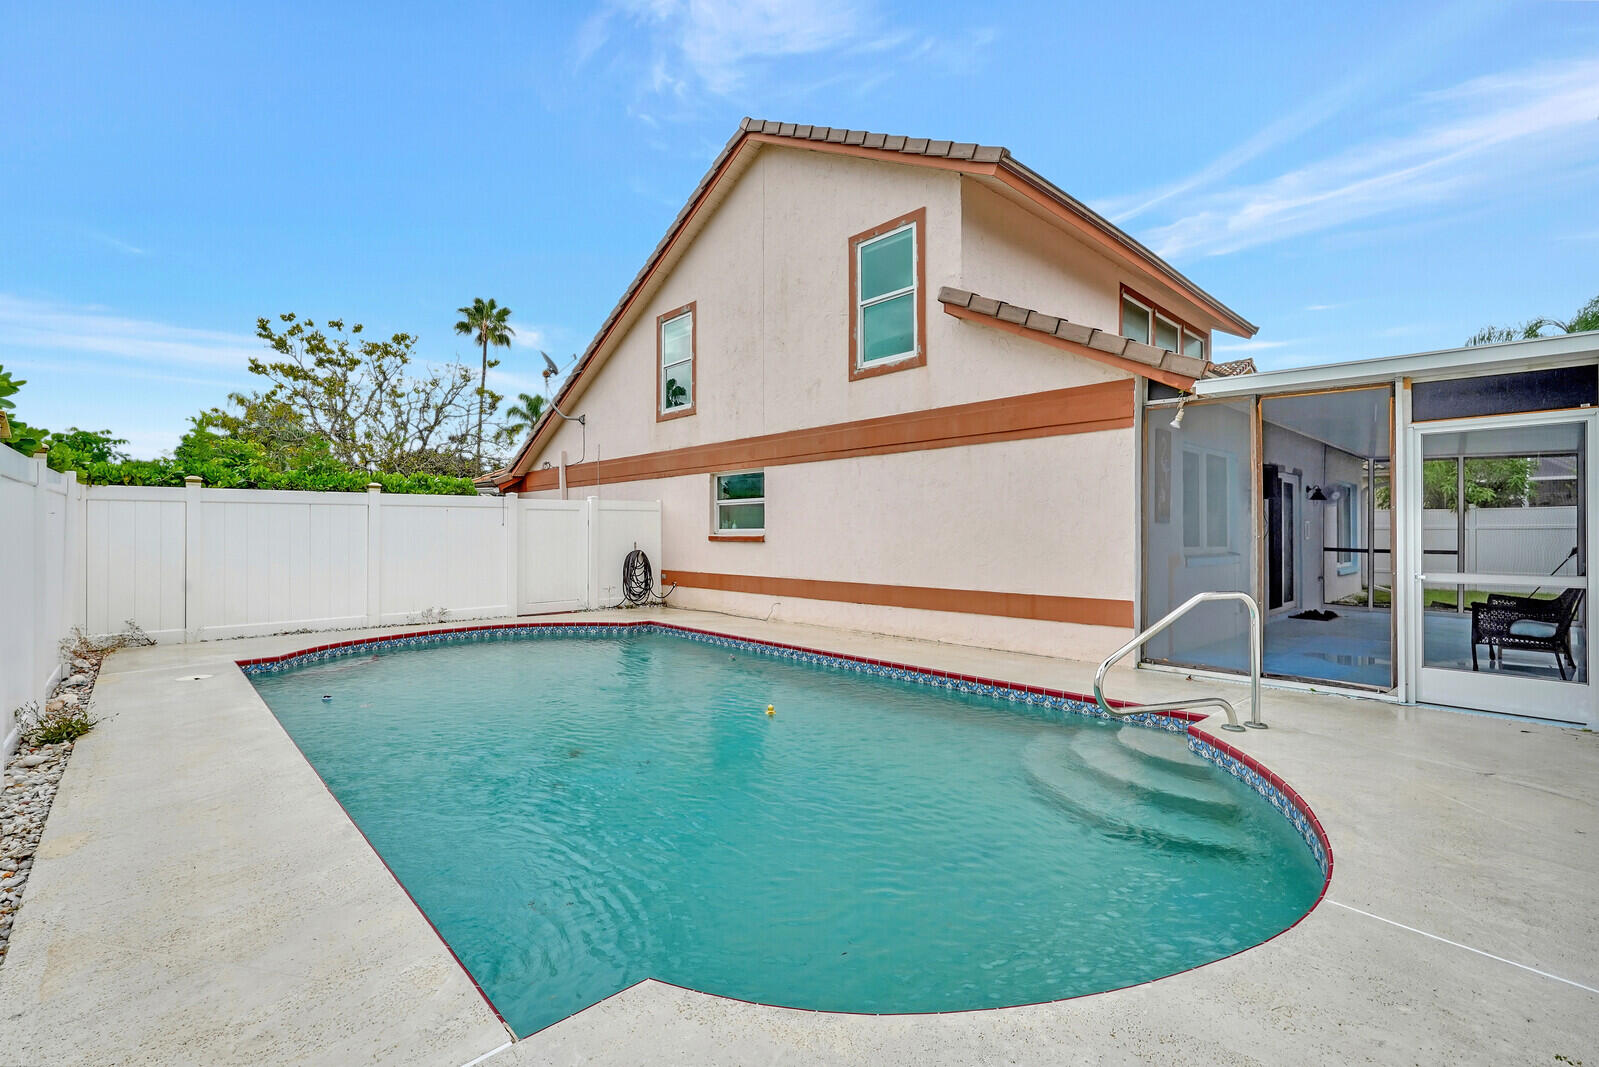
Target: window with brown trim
[[1144, 320], [888, 297], [738, 505], [675, 343]]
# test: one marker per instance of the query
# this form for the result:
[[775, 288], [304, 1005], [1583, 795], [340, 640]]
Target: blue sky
[[1359, 180]]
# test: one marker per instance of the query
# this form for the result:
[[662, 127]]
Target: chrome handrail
[[1175, 705]]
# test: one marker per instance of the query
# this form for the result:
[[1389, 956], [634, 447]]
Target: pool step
[[1175, 779], [1054, 762], [1171, 749]]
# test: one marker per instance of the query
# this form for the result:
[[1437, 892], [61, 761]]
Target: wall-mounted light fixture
[[1314, 493]]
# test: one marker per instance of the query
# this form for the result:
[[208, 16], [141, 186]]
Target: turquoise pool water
[[575, 814]]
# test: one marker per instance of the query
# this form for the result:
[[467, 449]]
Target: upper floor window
[[674, 335], [1143, 321], [887, 299]]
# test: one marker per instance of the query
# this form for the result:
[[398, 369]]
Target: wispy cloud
[[1251, 346], [33, 325], [1322, 307], [115, 243], [1396, 54], [529, 335], [714, 43], [1481, 137], [681, 50]]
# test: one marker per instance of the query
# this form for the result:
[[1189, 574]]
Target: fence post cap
[[192, 479], [374, 487]]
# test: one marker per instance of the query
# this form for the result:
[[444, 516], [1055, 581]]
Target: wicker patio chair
[[1527, 624]]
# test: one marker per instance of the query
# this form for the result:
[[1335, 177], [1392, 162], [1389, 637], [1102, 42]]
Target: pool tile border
[[1055, 703]]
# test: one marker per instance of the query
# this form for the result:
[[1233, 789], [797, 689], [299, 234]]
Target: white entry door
[[1504, 538]]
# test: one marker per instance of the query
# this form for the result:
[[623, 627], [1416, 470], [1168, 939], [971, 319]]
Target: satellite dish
[[549, 364]]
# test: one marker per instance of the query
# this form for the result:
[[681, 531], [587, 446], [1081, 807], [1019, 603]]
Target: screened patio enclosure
[[1419, 526], [1320, 561]]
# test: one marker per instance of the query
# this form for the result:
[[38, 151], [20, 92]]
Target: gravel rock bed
[[32, 775]]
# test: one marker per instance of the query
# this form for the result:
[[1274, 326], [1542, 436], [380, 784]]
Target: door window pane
[[1193, 500], [1523, 631]]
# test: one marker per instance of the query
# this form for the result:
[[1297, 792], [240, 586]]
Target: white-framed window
[[1207, 495], [675, 339], [1143, 321], [1347, 502], [740, 502], [885, 296], [1135, 319]]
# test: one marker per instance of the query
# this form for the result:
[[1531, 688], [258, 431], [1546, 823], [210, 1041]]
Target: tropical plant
[[520, 417], [70, 449], [360, 397], [1586, 318], [484, 321], [8, 389], [13, 431]]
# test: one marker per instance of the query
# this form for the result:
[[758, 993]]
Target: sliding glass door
[[1504, 543]]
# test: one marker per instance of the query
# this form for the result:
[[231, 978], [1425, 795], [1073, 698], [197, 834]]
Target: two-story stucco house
[[912, 387], [890, 383]]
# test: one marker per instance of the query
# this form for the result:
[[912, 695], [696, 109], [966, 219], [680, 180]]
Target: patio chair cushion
[[1532, 628]]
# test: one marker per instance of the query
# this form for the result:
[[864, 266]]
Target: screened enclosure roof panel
[[1538, 353], [1355, 421]]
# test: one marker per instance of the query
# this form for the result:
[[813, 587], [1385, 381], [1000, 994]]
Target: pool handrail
[[1205, 701]]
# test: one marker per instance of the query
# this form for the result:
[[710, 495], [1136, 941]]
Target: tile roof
[[887, 142], [1230, 370], [1111, 344], [962, 154]]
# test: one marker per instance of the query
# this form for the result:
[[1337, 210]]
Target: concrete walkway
[[199, 897]]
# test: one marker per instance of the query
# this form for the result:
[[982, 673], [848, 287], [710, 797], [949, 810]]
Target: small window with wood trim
[[675, 351], [1146, 322], [886, 297], [740, 502]]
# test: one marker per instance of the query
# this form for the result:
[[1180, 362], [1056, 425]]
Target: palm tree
[[520, 417], [484, 322], [1587, 318]]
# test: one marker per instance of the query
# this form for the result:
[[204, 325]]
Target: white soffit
[[1538, 354]]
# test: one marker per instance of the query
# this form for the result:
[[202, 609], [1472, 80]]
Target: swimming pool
[[579, 808]]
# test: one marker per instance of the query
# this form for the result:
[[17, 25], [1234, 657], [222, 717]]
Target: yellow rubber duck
[[771, 710]]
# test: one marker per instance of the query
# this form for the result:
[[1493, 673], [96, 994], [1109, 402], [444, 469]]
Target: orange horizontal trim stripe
[[1088, 611], [1082, 409]]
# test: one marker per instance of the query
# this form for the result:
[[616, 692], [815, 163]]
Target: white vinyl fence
[[41, 580], [193, 564], [1498, 540]]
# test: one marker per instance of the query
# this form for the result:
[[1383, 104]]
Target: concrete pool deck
[[199, 897]]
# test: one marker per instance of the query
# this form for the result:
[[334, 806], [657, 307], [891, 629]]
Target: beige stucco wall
[[1048, 515], [1011, 252], [768, 272]]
